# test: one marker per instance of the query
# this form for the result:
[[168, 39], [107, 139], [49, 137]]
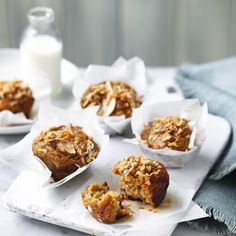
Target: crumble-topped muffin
[[104, 204], [167, 132], [143, 179], [64, 149], [114, 98], [16, 97]]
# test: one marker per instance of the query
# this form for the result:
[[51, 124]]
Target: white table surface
[[12, 224]]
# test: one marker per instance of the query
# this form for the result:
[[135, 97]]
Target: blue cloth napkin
[[215, 83]]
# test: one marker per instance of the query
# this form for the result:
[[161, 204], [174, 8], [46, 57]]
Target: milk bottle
[[41, 49]]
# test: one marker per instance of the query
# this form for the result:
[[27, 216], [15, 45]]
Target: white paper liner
[[41, 89], [50, 116], [130, 71], [189, 109], [65, 207]]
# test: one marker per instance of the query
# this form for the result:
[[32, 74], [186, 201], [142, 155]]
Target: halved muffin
[[114, 98], [15, 96], [143, 179], [104, 204], [64, 149]]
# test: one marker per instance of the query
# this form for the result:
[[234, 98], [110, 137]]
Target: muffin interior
[[104, 204]]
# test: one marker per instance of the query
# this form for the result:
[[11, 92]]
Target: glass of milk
[[41, 49]]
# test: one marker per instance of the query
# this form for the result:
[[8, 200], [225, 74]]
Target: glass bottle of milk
[[41, 49]]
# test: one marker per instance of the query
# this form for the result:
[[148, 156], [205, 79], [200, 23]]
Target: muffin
[[143, 179], [64, 149], [16, 97], [114, 98], [168, 132], [104, 204]]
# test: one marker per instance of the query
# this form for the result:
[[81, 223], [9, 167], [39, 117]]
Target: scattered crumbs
[[166, 203], [154, 210], [138, 205]]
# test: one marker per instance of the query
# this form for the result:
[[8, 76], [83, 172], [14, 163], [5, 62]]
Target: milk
[[41, 55]]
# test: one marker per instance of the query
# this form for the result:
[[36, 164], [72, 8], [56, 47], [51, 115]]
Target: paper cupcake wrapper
[[189, 109], [131, 72], [50, 116]]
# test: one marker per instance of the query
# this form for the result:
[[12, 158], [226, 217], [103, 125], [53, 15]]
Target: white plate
[[17, 129], [9, 65]]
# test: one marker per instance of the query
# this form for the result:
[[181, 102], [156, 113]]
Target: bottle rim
[[39, 14]]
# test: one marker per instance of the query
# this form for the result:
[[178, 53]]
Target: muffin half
[[143, 179], [104, 204]]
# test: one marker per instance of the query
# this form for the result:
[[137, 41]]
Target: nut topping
[[167, 132], [114, 98]]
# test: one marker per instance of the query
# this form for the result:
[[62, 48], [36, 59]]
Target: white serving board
[[191, 176]]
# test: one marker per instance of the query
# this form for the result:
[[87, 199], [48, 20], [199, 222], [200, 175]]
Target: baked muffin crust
[[64, 149], [114, 98], [167, 132], [16, 97], [104, 204], [143, 179]]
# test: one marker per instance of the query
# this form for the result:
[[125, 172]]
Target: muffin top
[[65, 145], [168, 132], [14, 90], [114, 98], [138, 166]]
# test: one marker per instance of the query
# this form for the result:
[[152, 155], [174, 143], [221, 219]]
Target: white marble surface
[[12, 224]]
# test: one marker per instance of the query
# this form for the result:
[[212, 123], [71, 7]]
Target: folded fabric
[[215, 83], [218, 199]]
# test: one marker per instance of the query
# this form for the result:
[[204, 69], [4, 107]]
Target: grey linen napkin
[[215, 83]]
